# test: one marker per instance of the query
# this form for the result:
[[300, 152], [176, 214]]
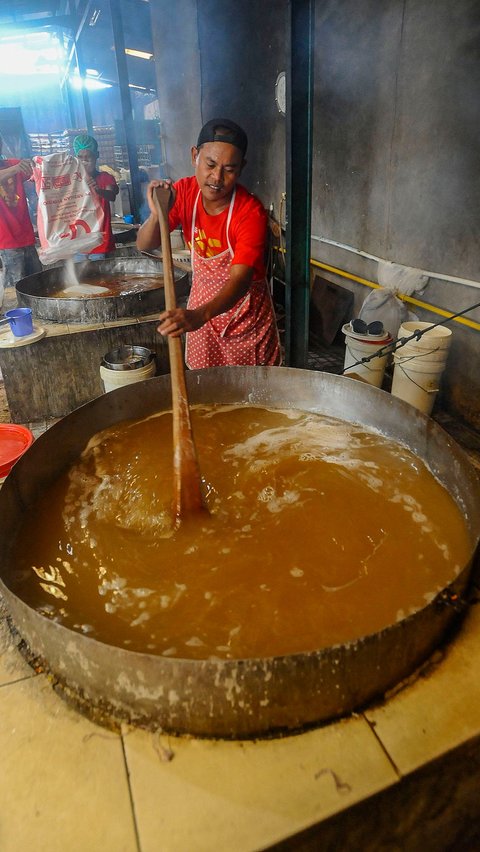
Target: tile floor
[[69, 785]]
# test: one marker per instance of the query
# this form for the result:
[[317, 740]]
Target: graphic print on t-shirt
[[8, 191], [247, 231], [206, 246]]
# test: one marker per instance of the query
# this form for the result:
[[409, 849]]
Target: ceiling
[[21, 10], [89, 24]]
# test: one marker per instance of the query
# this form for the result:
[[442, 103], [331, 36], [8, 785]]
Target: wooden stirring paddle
[[187, 492]]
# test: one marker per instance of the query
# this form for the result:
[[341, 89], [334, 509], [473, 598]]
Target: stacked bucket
[[361, 345], [420, 363], [125, 366]]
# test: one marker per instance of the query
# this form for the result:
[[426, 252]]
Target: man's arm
[[108, 192], [148, 236], [179, 321], [23, 166]]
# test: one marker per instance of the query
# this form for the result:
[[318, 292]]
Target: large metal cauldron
[[36, 291], [237, 698]]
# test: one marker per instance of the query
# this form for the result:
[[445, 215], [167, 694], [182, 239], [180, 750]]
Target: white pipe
[[466, 281]]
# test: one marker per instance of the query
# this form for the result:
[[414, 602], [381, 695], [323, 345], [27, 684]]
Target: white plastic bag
[[384, 305], [70, 218], [401, 279]]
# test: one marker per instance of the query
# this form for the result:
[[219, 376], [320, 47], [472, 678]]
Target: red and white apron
[[244, 335]]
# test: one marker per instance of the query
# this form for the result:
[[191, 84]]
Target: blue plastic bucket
[[20, 320]]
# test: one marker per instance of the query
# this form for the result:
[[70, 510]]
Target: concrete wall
[[397, 112], [221, 59], [397, 155], [177, 61]]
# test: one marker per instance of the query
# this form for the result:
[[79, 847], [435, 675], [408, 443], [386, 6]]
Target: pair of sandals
[[359, 326]]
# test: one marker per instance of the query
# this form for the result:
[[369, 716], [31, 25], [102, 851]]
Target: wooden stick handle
[[187, 482]]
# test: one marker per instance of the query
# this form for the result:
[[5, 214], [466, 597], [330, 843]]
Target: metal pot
[[35, 292], [127, 358], [251, 697], [123, 232]]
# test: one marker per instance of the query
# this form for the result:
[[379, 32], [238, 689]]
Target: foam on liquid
[[320, 532], [117, 284]]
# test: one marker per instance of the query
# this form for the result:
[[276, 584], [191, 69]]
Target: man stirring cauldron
[[229, 317]]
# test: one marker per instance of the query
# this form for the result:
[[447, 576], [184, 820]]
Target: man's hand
[[178, 322], [148, 237], [25, 166], [166, 184], [109, 192]]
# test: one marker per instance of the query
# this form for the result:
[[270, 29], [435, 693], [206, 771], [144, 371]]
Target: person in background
[[229, 317], [104, 184], [17, 240]]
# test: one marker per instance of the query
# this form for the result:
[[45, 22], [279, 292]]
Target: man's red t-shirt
[[16, 229], [104, 180], [247, 230]]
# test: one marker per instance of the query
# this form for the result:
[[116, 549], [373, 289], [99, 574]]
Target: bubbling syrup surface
[[108, 285], [320, 532]]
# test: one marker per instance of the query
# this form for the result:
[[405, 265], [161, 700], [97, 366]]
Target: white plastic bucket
[[358, 346], [432, 356], [113, 379], [419, 365], [434, 341]]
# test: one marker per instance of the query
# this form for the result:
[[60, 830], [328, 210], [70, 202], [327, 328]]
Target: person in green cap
[[104, 185]]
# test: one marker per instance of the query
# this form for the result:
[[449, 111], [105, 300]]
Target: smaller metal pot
[[127, 358]]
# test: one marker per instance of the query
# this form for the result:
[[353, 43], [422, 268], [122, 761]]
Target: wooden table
[[54, 375]]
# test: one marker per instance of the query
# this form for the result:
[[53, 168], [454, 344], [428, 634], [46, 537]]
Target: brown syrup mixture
[[120, 285], [320, 532]]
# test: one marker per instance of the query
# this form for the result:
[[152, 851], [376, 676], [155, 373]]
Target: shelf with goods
[[47, 143], [112, 150], [51, 143], [145, 154], [148, 143]]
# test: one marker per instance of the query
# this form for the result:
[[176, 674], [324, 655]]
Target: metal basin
[[127, 358], [123, 232], [36, 291], [250, 697]]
